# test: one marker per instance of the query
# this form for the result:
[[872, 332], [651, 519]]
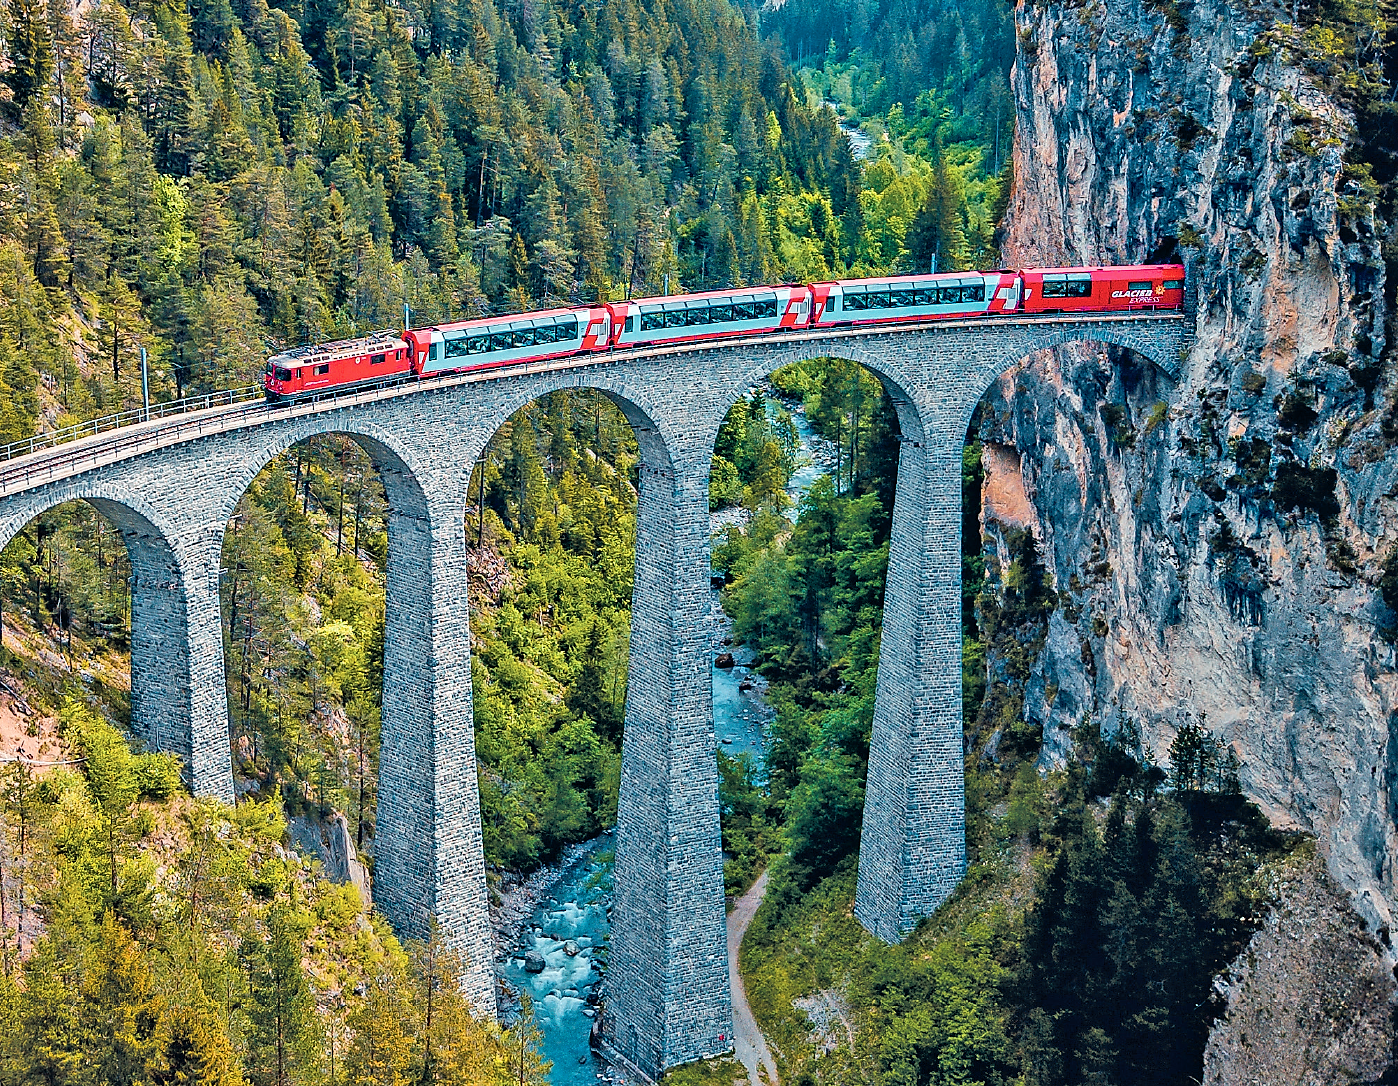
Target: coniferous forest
[[209, 181]]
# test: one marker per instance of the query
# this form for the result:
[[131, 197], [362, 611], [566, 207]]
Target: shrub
[[1299, 487]]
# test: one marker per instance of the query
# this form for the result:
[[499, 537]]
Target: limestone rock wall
[[1218, 537]]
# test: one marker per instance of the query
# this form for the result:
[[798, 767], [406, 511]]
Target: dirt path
[[748, 1043]]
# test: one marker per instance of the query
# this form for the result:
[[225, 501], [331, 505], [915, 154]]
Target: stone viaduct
[[170, 487]]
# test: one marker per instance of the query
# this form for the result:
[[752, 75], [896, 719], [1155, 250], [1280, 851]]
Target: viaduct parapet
[[171, 487]]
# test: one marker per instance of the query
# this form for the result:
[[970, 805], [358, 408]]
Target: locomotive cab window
[[378, 360], [282, 374], [323, 369]]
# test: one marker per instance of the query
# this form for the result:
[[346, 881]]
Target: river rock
[[745, 685], [534, 962], [725, 660], [570, 948]]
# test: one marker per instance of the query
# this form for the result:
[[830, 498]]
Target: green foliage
[[211, 181], [1298, 487], [1127, 928], [746, 813], [754, 456], [203, 963], [809, 600], [1201, 762]]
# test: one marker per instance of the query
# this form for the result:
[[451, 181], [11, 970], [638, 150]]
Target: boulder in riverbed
[[570, 948], [534, 962], [725, 660]]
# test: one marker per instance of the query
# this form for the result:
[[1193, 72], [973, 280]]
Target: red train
[[558, 333]]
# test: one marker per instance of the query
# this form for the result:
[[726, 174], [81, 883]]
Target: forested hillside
[[213, 180]]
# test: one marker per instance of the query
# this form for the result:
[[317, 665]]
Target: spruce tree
[[31, 51]]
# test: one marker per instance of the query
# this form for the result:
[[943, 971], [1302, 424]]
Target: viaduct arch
[[171, 486]]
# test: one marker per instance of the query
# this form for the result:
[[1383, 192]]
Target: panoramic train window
[[566, 331], [1140, 286], [699, 315], [721, 313], [743, 311], [1174, 284], [500, 341], [903, 296], [674, 318], [767, 307], [649, 321]]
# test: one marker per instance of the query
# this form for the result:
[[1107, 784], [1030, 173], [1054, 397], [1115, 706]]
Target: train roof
[[707, 295], [1124, 269], [501, 318], [925, 277], [386, 339]]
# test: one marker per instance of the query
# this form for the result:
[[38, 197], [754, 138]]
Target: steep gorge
[[1217, 540]]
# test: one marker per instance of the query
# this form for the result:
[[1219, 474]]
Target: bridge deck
[[112, 446]]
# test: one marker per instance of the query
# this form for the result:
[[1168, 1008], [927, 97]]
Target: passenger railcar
[[912, 297], [518, 337], [305, 370], [710, 314], [1078, 290]]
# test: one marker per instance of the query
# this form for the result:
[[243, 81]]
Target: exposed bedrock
[[1218, 538]]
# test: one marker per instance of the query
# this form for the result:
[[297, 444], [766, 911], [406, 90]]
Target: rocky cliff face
[[1217, 540]]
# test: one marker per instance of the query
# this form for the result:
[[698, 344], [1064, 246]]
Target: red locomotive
[[304, 370], [510, 339]]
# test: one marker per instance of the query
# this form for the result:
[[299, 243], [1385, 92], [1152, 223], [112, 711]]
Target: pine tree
[[938, 232], [31, 51], [281, 1010]]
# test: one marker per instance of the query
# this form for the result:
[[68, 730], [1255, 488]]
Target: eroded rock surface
[[1308, 1001], [1217, 539]]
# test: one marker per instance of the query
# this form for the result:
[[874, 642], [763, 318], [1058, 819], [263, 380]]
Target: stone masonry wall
[[668, 999]]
